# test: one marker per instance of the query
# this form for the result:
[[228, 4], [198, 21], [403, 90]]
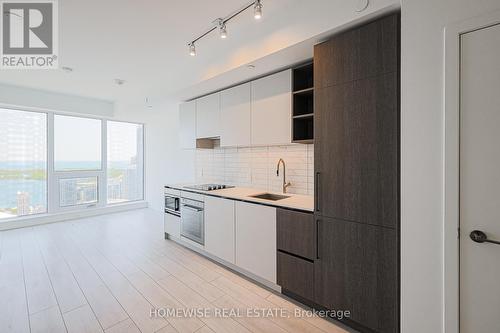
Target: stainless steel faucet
[[285, 183]]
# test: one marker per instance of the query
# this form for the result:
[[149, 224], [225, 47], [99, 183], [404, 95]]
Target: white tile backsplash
[[256, 167]]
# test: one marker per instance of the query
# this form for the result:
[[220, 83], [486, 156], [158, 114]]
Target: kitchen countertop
[[295, 201]]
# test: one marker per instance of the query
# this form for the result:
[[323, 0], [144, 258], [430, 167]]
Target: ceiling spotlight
[[192, 49], [220, 23], [222, 28], [257, 10]]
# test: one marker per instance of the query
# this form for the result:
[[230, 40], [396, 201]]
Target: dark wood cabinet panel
[[378, 48], [296, 275], [370, 50], [296, 233], [357, 270], [335, 59], [356, 162], [357, 150]]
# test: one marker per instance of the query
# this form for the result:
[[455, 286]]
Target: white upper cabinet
[[208, 116], [187, 125], [219, 227], [256, 239], [271, 109], [236, 116]]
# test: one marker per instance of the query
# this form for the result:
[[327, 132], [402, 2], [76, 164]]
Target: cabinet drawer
[[296, 233], [296, 275]]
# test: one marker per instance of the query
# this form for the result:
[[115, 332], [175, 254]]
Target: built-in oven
[[172, 204], [192, 220]]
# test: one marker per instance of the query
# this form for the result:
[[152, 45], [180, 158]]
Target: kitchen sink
[[269, 196]]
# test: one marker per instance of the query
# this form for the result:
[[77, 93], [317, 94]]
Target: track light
[[192, 49], [220, 23], [257, 10], [222, 28]]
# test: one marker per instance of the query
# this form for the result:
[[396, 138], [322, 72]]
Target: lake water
[[9, 188], [38, 188]]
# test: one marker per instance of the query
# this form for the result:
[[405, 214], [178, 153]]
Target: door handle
[[317, 239], [316, 191], [480, 237]]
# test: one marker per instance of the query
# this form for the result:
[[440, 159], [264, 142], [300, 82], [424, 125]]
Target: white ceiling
[[145, 43]]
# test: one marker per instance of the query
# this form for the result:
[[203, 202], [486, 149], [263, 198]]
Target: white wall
[[26, 97], [165, 162], [422, 36]]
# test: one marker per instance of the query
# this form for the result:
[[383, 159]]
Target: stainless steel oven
[[172, 205], [192, 220]]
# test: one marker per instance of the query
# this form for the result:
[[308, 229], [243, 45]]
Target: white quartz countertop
[[295, 201]]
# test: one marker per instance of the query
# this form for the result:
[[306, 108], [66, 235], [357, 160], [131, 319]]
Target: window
[[125, 161], [23, 163], [77, 191], [53, 163], [77, 143]]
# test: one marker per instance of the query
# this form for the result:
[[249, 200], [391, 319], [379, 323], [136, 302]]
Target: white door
[[480, 181]]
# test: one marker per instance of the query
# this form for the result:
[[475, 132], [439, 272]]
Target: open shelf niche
[[303, 104]]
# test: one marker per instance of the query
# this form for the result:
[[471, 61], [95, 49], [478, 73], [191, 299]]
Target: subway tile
[[256, 167]]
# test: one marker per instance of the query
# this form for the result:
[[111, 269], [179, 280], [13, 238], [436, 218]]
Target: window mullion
[[103, 180], [51, 179]]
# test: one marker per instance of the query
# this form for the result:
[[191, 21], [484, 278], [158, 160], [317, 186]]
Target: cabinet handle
[[316, 191], [317, 239]]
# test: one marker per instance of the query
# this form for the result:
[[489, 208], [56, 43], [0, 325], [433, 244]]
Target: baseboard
[[238, 270], [29, 221]]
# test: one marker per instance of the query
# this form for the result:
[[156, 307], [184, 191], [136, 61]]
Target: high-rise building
[[114, 189], [23, 203], [68, 194], [130, 188]]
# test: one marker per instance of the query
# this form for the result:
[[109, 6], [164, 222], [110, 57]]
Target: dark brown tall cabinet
[[356, 161]]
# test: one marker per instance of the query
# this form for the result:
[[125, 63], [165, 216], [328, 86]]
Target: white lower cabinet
[[219, 228], [256, 239], [172, 225]]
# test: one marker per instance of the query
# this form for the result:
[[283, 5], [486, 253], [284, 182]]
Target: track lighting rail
[[222, 21]]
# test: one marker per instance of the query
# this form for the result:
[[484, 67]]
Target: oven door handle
[[172, 213], [196, 209]]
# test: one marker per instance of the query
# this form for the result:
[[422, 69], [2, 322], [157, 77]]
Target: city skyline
[[24, 161]]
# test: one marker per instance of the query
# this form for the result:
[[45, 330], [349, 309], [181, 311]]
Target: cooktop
[[208, 187]]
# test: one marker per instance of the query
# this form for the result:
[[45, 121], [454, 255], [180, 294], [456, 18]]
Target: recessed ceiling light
[[67, 69], [119, 82]]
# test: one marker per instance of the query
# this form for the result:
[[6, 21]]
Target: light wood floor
[[107, 273]]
